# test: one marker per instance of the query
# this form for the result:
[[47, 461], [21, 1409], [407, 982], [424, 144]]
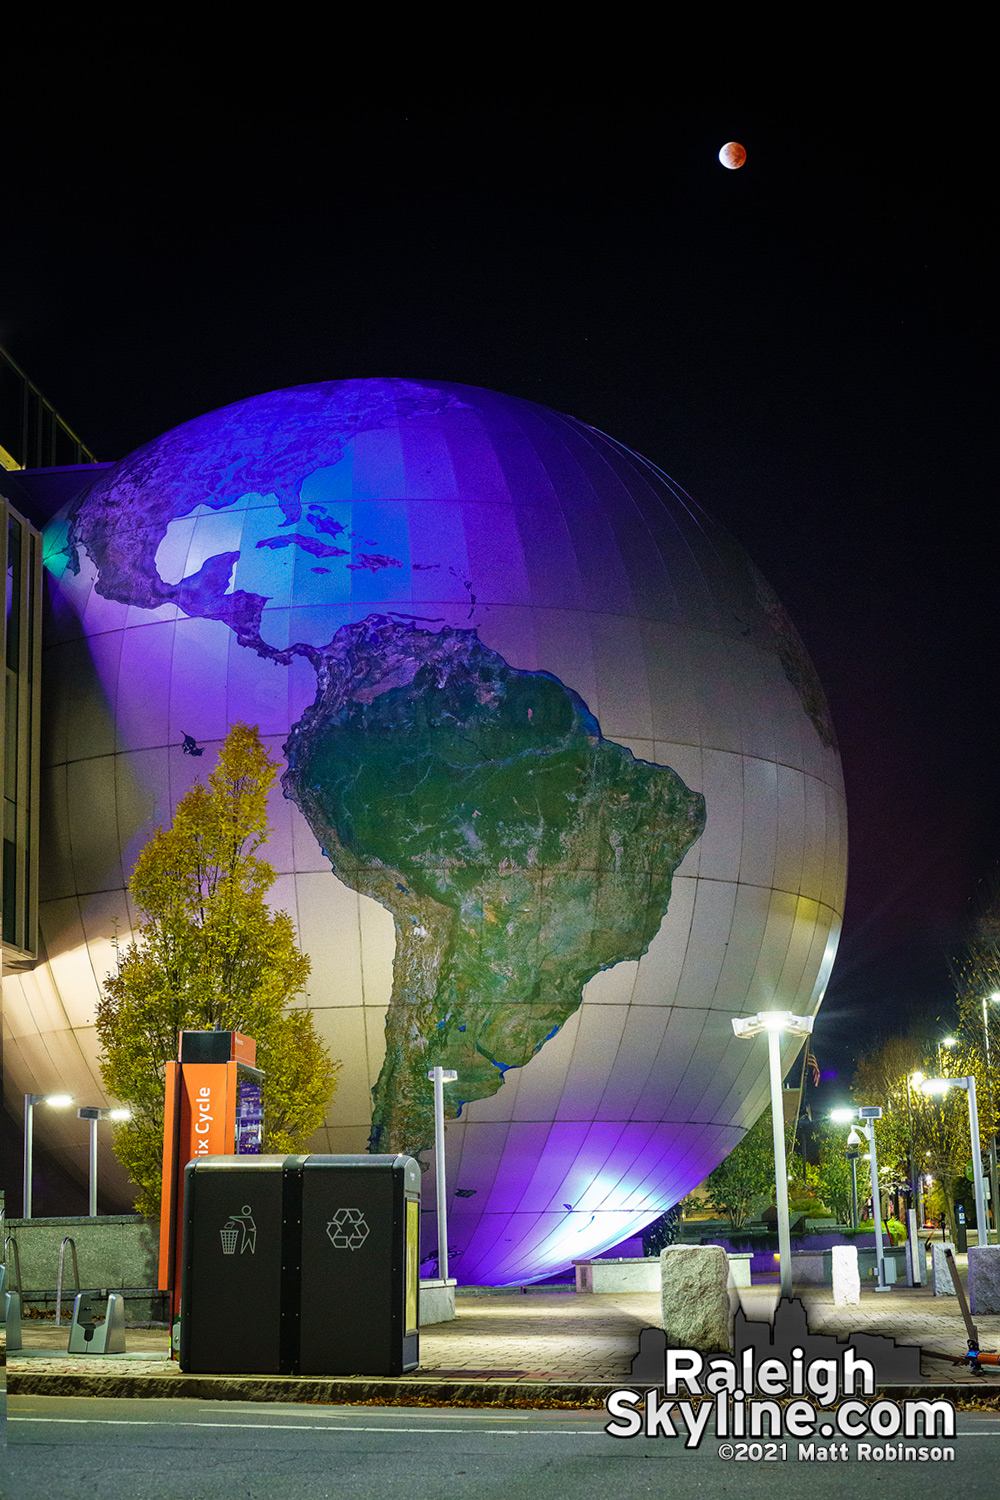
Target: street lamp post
[[441, 1076], [853, 1152], [909, 1122], [945, 1041], [57, 1101], [941, 1086], [93, 1113], [774, 1022], [917, 1187], [868, 1114], [994, 1184]]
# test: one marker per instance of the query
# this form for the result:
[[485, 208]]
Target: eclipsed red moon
[[732, 155]]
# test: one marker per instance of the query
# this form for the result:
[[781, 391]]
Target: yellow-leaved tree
[[208, 952]]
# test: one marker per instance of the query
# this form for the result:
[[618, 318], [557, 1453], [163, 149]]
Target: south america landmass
[[518, 850]]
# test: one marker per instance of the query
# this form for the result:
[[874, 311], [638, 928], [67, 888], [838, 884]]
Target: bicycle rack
[[59, 1284], [94, 1331], [10, 1243], [10, 1301]]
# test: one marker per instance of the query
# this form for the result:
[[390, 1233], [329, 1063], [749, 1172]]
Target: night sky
[[805, 345]]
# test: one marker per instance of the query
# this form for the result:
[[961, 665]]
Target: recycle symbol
[[347, 1229]]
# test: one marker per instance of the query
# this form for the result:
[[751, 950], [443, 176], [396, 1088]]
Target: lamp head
[[748, 1027], [935, 1086]]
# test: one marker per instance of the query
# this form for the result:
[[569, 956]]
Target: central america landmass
[[518, 850]]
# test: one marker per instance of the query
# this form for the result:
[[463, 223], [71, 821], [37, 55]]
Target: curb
[[322, 1391], [333, 1392]]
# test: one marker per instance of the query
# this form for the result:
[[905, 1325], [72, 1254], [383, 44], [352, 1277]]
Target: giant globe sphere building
[[560, 792]]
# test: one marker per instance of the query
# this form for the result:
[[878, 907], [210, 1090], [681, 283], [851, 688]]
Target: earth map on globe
[[472, 799], [561, 792]]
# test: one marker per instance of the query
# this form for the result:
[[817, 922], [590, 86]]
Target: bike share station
[[278, 1265]]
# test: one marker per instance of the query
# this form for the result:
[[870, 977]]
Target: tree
[[976, 974], [881, 1078], [745, 1174], [211, 952], [663, 1231], [832, 1175], [937, 1125], [942, 1130]]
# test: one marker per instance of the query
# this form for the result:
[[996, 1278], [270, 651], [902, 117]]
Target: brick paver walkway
[[559, 1337]]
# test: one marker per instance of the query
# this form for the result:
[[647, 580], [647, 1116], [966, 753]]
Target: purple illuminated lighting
[[561, 791]]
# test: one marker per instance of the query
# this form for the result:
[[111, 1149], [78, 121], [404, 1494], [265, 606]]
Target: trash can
[[300, 1265], [240, 1259], [360, 1265]]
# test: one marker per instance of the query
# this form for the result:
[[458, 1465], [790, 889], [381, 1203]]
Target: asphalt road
[[97, 1449]]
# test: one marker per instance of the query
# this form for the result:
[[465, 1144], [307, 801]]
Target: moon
[[732, 155]]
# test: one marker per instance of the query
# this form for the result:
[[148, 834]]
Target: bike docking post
[[10, 1299], [94, 1333], [59, 1281]]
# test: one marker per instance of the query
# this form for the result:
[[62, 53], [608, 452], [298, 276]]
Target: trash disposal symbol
[[347, 1229], [237, 1226]]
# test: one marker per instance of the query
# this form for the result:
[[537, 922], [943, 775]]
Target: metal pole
[[442, 1197], [909, 1120], [853, 1159], [780, 1169], [92, 1209], [29, 1104], [876, 1209], [994, 1183], [977, 1162]]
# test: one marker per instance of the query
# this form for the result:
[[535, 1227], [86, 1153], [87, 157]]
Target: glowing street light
[[774, 1022], [441, 1076], [93, 1113], [57, 1101], [940, 1086]]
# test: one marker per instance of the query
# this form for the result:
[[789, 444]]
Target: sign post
[[211, 1108]]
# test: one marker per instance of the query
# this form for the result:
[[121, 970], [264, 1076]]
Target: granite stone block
[[984, 1278], [694, 1281], [846, 1276], [943, 1284]]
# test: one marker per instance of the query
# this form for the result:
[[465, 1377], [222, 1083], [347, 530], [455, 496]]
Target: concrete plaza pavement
[[516, 1347]]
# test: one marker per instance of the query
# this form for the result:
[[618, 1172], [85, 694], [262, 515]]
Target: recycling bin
[[360, 1265], [300, 1265]]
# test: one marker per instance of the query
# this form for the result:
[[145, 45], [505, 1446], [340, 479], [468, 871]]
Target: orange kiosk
[[212, 1108]]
